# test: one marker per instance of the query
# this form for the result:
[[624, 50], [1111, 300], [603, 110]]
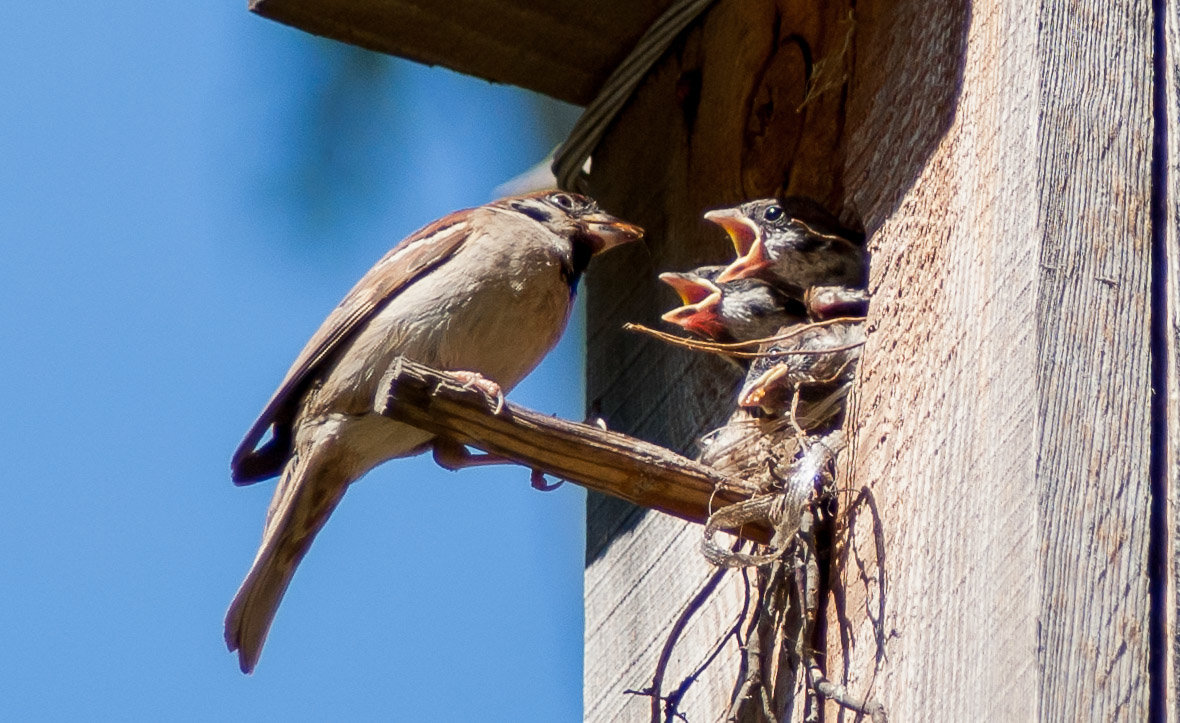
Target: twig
[[736, 349], [809, 582], [734, 632], [657, 681], [642, 473]]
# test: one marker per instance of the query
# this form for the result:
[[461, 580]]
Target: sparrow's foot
[[451, 455], [538, 482], [475, 380]]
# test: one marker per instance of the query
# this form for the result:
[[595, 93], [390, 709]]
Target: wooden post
[[1004, 410], [1166, 355], [993, 559]]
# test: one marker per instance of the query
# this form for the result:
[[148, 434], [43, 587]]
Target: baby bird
[[794, 243], [815, 355], [738, 310]]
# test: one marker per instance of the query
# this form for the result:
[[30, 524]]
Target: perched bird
[[793, 243], [729, 311], [484, 292]]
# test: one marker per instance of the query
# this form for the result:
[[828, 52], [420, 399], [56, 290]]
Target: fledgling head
[[735, 311], [820, 355], [701, 301], [693, 286], [794, 243]]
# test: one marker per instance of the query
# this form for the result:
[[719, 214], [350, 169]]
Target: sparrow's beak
[[690, 288], [742, 231], [607, 232], [692, 319], [747, 265]]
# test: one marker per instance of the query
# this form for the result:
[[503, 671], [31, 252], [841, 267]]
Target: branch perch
[[631, 469]]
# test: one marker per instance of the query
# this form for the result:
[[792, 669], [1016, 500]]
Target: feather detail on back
[[413, 257]]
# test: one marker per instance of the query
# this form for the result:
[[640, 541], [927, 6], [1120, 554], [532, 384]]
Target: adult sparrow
[[794, 243], [484, 292], [729, 311]]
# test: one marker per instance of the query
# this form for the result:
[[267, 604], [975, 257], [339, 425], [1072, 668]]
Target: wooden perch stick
[[609, 462]]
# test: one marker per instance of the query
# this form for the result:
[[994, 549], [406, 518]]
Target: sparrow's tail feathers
[[307, 494]]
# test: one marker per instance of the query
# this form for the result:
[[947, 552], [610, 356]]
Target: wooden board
[[994, 559], [561, 48], [1005, 403]]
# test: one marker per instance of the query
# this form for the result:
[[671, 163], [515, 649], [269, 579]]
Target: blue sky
[[176, 220]]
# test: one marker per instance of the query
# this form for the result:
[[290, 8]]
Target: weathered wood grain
[[1000, 475], [1094, 146], [1004, 404], [937, 580], [560, 48]]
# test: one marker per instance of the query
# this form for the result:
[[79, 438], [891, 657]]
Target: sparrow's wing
[[415, 256]]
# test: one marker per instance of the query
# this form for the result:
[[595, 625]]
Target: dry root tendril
[[783, 458]]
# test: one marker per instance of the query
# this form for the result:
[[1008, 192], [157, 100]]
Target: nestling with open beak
[[484, 292], [793, 243], [813, 356], [729, 311]]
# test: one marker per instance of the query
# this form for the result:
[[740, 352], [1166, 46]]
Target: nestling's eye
[[773, 213], [563, 202]]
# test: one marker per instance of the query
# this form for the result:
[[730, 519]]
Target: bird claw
[[475, 380], [537, 480]]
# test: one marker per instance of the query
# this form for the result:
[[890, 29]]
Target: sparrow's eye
[[773, 213], [563, 202]]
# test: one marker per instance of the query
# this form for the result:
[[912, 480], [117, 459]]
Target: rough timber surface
[[557, 47], [992, 559], [1093, 378], [1005, 397]]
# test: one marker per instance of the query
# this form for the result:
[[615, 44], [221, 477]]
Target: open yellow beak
[[746, 265], [691, 288], [742, 231]]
